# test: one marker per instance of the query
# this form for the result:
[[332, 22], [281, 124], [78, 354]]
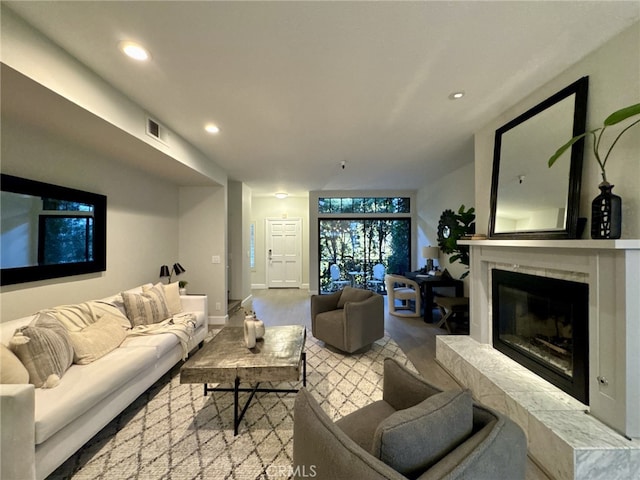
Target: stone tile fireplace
[[599, 436]]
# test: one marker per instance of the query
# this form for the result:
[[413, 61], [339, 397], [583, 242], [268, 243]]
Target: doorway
[[284, 252]]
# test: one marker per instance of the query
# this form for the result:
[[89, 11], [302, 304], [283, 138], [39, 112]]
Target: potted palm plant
[[606, 208]]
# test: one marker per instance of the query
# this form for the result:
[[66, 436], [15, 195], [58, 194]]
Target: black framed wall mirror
[[49, 231], [529, 199]]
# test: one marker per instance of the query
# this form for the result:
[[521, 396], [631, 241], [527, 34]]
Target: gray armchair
[[349, 319], [415, 431]]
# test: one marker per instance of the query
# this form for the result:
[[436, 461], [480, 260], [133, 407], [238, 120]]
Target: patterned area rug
[[174, 432]]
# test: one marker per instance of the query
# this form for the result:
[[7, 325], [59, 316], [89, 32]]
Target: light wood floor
[[416, 338]]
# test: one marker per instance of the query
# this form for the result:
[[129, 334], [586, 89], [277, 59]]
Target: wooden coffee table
[[277, 357]]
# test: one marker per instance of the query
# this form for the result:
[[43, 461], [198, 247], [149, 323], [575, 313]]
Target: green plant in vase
[[606, 208]]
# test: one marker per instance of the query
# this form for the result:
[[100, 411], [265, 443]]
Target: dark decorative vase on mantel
[[606, 213], [606, 208]]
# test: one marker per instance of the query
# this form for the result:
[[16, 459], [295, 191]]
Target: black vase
[[606, 213]]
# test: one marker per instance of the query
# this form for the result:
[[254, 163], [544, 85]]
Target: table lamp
[[177, 269], [429, 253]]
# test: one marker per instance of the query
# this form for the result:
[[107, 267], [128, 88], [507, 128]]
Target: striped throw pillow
[[147, 307], [45, 349]]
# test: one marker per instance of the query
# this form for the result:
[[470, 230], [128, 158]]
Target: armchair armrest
[[17, 437], [401, 388], [321, 304], [404, 282], [497, 448], [322, 450], [324, 303], [364, 322]]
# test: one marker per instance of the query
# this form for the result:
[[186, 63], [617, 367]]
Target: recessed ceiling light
[[135, 51], [282, 195], [456, 95], [211, 128]]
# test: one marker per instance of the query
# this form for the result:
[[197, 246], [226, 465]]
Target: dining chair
[[407, 292]]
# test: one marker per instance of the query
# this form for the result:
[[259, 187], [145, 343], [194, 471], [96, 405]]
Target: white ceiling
[[298, 87]]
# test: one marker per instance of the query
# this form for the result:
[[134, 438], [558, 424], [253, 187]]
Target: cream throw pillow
[[172, 293], [11, 369], [45, 349], [172, 297], [98, 339], [147, 307]]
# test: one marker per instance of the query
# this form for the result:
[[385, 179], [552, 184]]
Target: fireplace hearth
[[542, 323]]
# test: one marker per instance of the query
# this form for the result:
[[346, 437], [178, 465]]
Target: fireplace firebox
[[542, 323]]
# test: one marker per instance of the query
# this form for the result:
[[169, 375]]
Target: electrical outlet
[[218, 306], [215, 259]]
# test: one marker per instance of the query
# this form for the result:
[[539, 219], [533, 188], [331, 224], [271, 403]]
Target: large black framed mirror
[[529, 199], [50, 231]]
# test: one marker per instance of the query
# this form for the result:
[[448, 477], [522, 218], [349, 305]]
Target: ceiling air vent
[[157, 131]]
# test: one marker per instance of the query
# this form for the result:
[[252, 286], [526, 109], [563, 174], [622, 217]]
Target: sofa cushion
[[161, 342], [412, 440], [76, 317], [45, 349], [350, 294], [84, 386], [116, 301], [96, 340], [147, 307], [11, 368]]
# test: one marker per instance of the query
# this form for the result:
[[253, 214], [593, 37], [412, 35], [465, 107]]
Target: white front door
[[284, 247]]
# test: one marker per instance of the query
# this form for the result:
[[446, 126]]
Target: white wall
[[448, 192], [614, 82], [31, 53], [142, 218], [202, 234], [150, 208], [239, 219], [271, 207]]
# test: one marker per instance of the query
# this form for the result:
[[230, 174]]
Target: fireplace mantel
[[620, 244], [611, 268]]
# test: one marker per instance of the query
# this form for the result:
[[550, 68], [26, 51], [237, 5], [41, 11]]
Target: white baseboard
[[218, 320], [246, 300], [263, 286]]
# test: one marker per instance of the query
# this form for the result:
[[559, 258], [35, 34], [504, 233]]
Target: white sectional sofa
[[42, 427]]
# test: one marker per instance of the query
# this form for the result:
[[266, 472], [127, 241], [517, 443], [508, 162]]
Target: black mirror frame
[[580, 88], [11, 276]]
